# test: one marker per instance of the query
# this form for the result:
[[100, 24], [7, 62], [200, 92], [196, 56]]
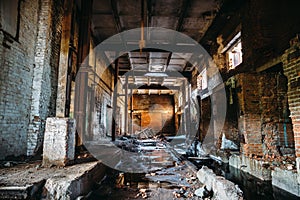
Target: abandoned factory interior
[[150, 99]]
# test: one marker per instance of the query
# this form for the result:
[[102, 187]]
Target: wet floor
[[168, 178], [165, 176], [252, 187]]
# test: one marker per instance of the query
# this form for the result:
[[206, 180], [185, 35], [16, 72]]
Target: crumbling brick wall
[[249, 121], [44, 87], [17, 66], [276, 124], [291, 64], [263, 107], [29, 77]]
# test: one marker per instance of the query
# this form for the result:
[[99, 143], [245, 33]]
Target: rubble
[[228, 144], [222, 189]]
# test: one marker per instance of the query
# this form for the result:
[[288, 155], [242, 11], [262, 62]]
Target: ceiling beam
[[170, 74], [158, 47], [168, 60], [152, 87], [149, 12], [182, 15], [116, 15]]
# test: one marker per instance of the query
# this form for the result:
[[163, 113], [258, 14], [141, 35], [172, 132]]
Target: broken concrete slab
[[222, 188], [25, 181], [254, 167], [286, 180]]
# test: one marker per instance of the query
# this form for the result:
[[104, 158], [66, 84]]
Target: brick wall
[[249, 121], [28, 78], [291, 64], [44, 87], [276, 126], [263, 119], [17, 65]]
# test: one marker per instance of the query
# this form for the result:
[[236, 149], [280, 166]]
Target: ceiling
[[154, 69]]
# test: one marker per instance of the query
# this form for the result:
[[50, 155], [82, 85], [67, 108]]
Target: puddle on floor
[[168, 178], [252, 187]]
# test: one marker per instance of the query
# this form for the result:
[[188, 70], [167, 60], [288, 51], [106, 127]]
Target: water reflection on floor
[[255, 188], [167, 178], [252, 187]]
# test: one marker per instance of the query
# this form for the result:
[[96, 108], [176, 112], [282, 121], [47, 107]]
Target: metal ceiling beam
[[168, 60], [169, 74], [116, 15], [152, 87], [158, 47], [182, 15]]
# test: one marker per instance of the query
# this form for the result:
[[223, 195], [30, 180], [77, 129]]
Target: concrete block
[[254, 167], [286, 180], [59, 141], [222, 188]]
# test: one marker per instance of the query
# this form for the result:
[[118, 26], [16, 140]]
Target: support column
[[249, 121], [63, 60], [183, 116], [188, 114], [291, 66], [82, 76], [115, 99], [126, 106], [59, 140], [131, 112]]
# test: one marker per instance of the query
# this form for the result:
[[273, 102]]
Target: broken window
[[233, 51]]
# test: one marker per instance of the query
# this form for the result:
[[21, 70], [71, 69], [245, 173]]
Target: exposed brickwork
[[29, 77], [17, 65], [276, 124], [44, 86], [291, 63], [249, 121]]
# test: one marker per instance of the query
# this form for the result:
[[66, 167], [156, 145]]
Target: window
[[233, 52], [9, 23], [235, 55], [202, 80]]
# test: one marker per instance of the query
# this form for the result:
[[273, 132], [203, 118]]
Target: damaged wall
[[17, 67], [291, 65], [45, 72]]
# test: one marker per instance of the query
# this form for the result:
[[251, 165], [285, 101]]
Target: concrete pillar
[[59, 141], [291, 66]]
